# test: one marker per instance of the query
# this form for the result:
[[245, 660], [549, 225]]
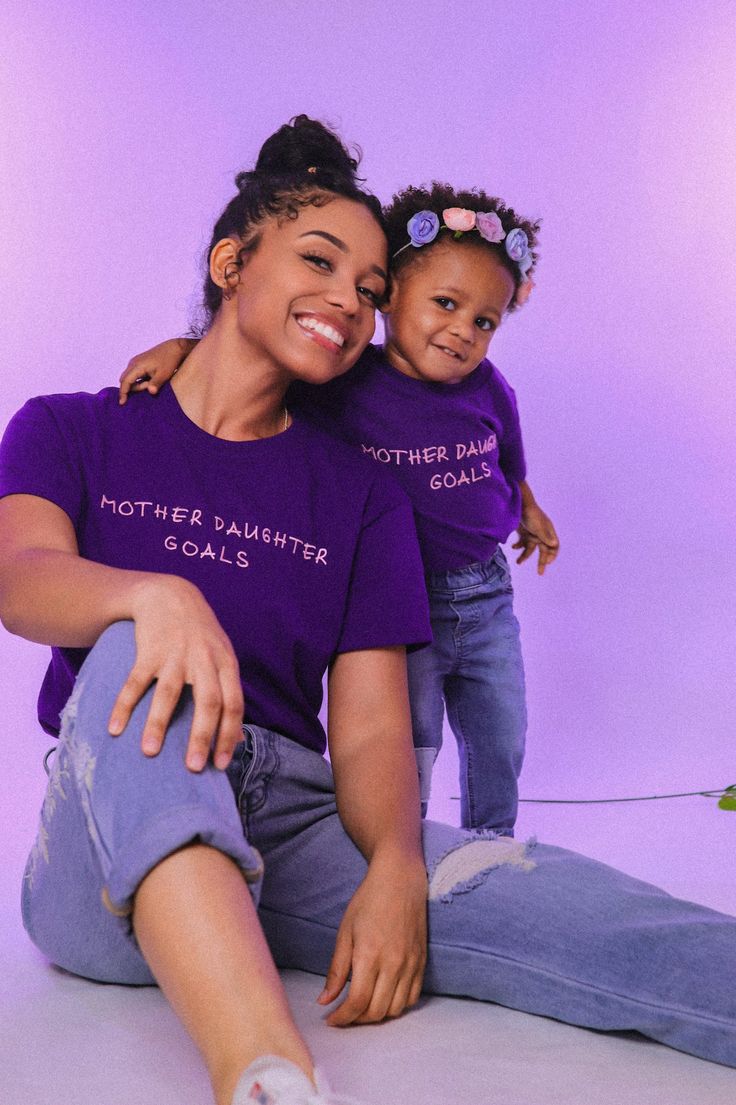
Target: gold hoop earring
[[231, 274]]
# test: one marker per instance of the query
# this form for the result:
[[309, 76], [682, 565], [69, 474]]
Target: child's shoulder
[[496, 382]]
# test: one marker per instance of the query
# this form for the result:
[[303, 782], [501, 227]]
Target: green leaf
[[728, 799]]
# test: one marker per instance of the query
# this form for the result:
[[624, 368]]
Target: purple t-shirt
[[456, 449], [302, 548]]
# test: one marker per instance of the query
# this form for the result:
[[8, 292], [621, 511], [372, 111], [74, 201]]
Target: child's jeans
[[474, 668], [538, 929]]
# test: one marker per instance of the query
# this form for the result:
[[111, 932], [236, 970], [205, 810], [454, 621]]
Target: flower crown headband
[[424, 227]]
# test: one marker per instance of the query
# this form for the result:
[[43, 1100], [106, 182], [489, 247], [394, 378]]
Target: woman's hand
[[148, 371], [382, 941], [50, 594], [180, 642]]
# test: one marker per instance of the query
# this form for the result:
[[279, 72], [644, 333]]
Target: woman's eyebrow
[[338, 242]]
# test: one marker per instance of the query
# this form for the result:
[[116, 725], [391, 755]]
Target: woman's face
[[308, 293]]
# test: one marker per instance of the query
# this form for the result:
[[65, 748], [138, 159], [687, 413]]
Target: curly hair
[[438, 197], [302, 163]]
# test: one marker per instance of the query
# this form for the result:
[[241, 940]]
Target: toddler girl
[[431, 408]]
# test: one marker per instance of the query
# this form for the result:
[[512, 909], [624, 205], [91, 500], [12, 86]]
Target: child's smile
[[444, 309]]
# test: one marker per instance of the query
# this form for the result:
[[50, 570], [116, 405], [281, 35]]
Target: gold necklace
[[286, 418]]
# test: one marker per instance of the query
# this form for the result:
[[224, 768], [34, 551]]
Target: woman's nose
[[344, 295]]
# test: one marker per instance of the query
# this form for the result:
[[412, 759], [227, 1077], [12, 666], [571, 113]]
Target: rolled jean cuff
[[163, 835]]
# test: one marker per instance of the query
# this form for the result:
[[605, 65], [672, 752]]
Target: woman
[[221, 555]]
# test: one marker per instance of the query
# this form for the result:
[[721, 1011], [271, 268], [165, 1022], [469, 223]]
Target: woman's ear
[[225, 265]]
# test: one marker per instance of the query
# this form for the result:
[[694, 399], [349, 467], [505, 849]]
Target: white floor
[[64, 1041]]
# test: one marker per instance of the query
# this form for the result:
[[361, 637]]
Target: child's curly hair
[[438, 197]]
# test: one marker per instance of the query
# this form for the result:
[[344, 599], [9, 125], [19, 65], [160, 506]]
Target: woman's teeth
[[322, 328]]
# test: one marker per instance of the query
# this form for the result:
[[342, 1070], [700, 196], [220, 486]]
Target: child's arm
[[535, 530], [148, 371]]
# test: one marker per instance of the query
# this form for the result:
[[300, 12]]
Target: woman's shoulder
[[338, 460], [73, 404]]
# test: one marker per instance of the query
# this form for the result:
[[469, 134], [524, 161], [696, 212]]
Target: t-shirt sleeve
[[35, 459], [511, 447], [387, 598]]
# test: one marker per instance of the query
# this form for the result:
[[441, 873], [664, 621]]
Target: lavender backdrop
[[121, 129]]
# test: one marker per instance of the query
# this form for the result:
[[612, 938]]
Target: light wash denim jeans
[[474, 668], [536, 928]]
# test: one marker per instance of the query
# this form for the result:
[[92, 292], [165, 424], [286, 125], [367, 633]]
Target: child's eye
[[485, 324], [445, 302], [319, 261]]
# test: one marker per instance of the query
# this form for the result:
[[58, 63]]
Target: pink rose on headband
[[459, 218], [489, 226], [517, 244], [524, 291], [423, 228]]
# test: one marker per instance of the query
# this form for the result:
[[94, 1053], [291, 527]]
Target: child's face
[[444, 309]]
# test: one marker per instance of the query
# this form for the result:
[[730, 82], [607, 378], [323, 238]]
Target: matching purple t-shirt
[[303, 548], [455, 448]]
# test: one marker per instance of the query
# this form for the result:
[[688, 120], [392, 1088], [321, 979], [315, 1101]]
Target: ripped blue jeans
[[474, 669], [536, 928]]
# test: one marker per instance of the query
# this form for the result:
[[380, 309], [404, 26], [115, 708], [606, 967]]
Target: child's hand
[[536, 531], [149, 370]]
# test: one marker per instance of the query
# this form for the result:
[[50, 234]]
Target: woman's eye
[[374, 298], [445, 302], [485, 324], [320, 262]]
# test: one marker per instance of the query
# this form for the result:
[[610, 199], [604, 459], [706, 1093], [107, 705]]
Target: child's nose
[[462, 329]]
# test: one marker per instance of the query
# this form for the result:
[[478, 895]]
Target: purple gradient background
[[121, 127]]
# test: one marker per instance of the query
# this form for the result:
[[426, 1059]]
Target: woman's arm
[[50, 594], [382, 938]]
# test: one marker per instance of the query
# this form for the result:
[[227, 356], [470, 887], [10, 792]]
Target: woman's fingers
[[218, 707], [339, 969], [169, 685], [406, 994], [133, 689], [378, 991], [359, 997], [230, 732]]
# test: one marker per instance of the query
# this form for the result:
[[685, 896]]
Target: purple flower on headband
[[517, 245], [489, 226], [423, 228], [525, 263]]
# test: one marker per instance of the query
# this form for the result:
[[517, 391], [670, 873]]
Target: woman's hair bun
[[301, 145]]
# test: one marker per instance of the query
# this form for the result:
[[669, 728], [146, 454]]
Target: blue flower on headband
[[423, 228], [517, 246], [526, 263]]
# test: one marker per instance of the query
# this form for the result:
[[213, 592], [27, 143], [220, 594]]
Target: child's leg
[[123, 835], [547, 932], [485, 696], [426, 670]]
